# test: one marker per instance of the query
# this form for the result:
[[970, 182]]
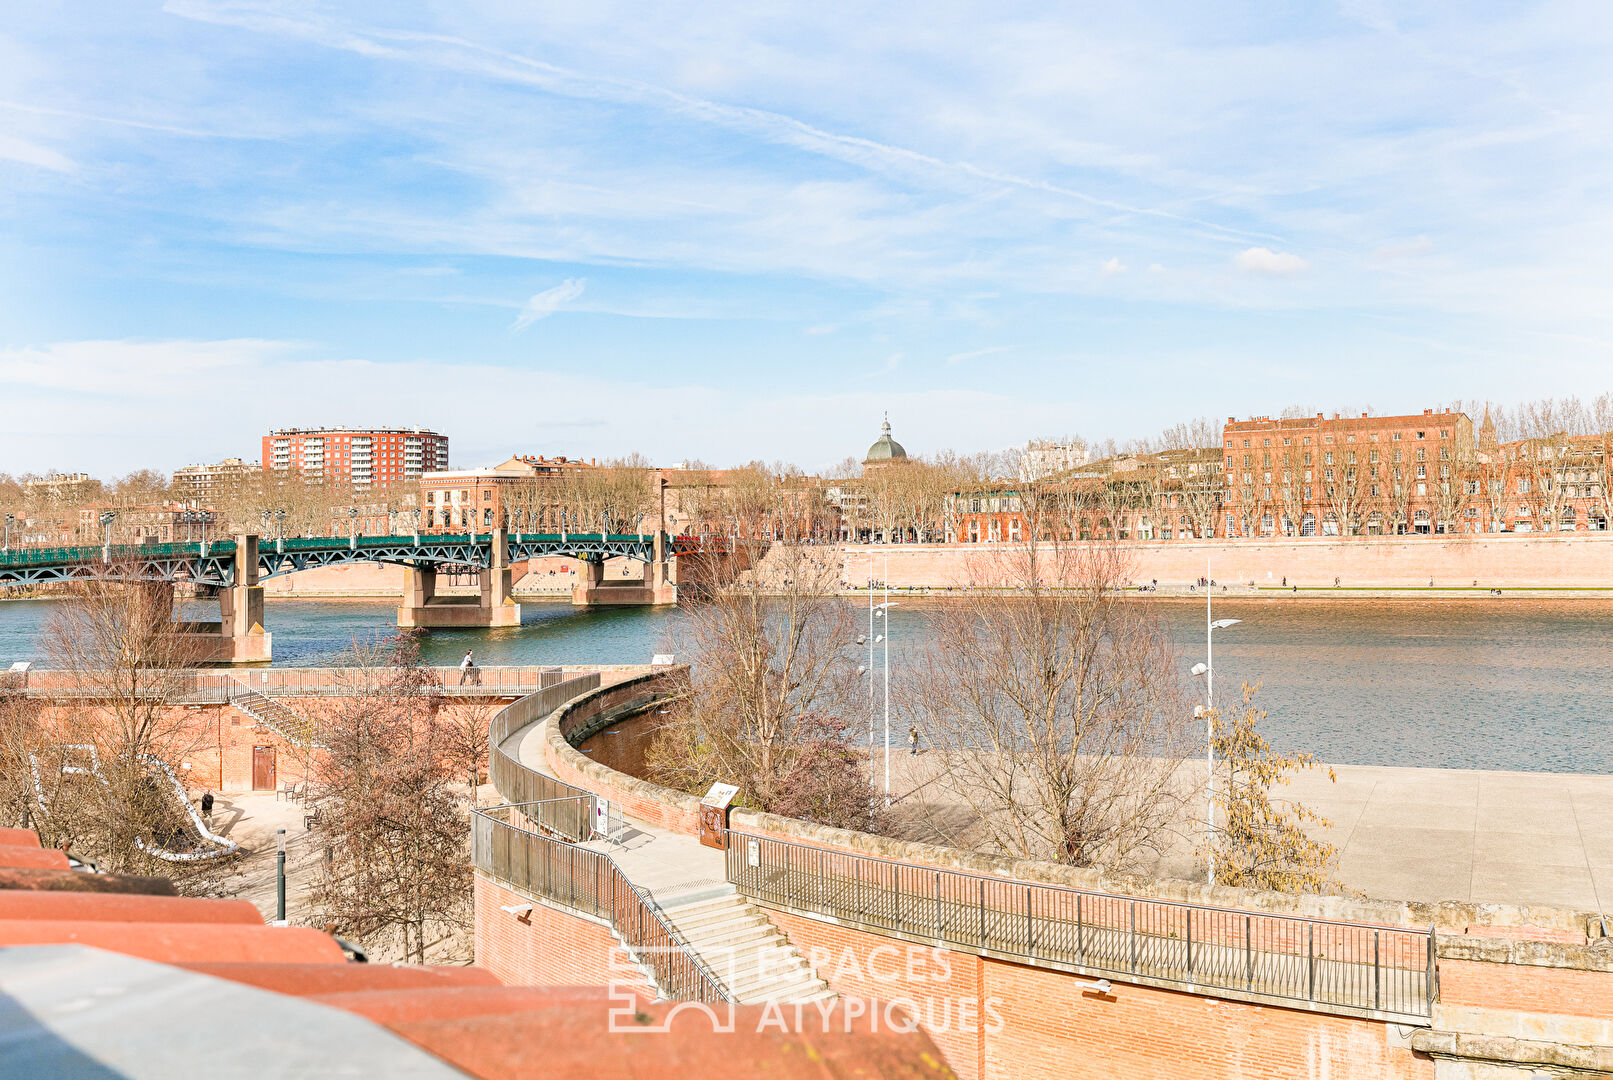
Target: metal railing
[[1328, 966], [193, 687], [544, 867], [522, 785]]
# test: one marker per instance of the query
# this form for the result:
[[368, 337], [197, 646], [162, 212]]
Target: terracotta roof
[[285, 1001]]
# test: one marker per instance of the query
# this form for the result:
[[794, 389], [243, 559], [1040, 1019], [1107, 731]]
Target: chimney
[[1428, 412], [1320, 416], [1363, 416]]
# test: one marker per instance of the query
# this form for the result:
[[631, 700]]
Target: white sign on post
[[753, 853], [720, 795]]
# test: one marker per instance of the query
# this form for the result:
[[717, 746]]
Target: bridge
[[235, 568]]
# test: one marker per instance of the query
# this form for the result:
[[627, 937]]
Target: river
[[1472, 684]]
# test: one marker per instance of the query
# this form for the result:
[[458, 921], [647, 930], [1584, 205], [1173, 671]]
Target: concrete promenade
[[1436, 834]]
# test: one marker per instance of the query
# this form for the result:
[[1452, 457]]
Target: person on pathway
[[913, 740], [207, 809], [465, 667]]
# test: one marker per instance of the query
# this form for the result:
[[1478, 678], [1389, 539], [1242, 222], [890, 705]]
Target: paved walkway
[[1444, 834], [1403, 834], [673, 867]]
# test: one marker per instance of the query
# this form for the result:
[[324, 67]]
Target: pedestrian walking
[[207, 809], [465, 667], [913, 740]]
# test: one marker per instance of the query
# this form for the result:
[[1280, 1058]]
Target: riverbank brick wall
[[1401, 562]]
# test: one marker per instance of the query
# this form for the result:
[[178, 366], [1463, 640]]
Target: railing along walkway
[[534, 845], [1329, 966]]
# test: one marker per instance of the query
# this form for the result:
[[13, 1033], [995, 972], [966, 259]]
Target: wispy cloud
[[1259, 260], [15, 149], [1112, 267], [549, 301]]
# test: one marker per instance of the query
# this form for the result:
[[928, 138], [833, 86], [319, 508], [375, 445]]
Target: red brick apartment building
[[365, 457], [1422, 474], [1347, 476], [511, 493]]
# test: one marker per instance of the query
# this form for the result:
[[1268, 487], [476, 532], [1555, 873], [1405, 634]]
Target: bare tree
[[1259, 843], [773, 681], [395, 830], [107, 764], [1055, 710]]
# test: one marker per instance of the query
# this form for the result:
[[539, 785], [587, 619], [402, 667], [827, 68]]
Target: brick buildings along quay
[[1424, 474]]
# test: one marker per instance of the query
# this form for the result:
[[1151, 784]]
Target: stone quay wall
[[1403, 562]]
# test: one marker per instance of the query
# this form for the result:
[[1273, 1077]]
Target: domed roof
[[887, 448]]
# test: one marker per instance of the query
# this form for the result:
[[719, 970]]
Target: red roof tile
[[121, 907], [34, 857], [392, 1007], [175, 942], [309, 979], [18, 838], [576, 1041], [78, 881]]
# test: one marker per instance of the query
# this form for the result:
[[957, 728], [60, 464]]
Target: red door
[[263, 768]]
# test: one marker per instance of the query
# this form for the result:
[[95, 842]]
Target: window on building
[[1422, 434], [1327, 458], [1288, 442], [1422, 455], [1307, 440], [1265, 442], [1395, 436], [1349, 438], [1422, 472]]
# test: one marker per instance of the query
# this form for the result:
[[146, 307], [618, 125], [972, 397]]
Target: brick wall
[[1494, 562], [1039, 1023], [1527, 988], [546, 948]]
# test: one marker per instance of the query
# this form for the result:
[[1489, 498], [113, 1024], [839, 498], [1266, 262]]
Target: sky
[[738, 232]]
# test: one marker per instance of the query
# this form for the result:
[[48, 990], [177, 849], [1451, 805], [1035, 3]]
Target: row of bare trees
[[1053, 712]]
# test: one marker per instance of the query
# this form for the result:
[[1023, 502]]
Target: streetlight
[[352, 528], [11, 519], [279, 532], [1207, 710], [107, 517], [280, 876]]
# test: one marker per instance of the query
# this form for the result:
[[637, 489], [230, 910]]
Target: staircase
[[264, 710], [742, 947]]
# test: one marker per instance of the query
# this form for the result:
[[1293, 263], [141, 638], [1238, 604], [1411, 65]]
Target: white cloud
[[15, 149], [1259, 260], [549, 301], [175, 418], [1410, 248], [1113, 266]]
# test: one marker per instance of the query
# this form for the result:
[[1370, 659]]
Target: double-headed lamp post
[[878, 611], [1207, 710]]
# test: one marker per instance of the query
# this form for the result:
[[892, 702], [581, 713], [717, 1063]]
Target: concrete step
[[790, 987], [728, 930], [729, 901], [716, 917]]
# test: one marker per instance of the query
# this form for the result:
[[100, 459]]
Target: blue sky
[[736, 232]]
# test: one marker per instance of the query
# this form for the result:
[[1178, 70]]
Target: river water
[[1480, 684]]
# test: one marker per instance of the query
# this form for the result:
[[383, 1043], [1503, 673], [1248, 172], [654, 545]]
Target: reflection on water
[[1487, 684]]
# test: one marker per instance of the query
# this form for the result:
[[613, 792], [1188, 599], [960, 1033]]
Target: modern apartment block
[[367, 457]]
